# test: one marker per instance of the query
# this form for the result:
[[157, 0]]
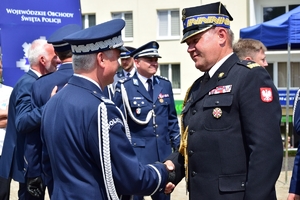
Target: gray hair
[[230, 34], [84, 62], [37, 49]]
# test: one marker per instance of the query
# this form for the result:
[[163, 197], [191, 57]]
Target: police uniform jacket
[[41, 91], [12, 160], [152, 141], [75, 135], [234, 146], [118, 76], [295, 179]]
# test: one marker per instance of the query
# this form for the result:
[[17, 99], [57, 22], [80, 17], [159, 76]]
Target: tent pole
[[287, 112]]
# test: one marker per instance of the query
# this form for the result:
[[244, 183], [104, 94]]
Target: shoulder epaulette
[[249, 64], [106, 100], [119, 74], [162, 77], [123, 80], [102, 97]]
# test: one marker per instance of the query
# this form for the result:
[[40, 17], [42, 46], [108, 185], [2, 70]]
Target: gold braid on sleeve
[[184, 135]]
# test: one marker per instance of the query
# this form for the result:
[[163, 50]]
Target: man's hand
[[54, 91], [35, 186], [293, 197], [170, 167], [169, 188]]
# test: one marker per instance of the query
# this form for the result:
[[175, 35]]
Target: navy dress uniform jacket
[[70, 124], [12, 163], [41, 91], [236, 153], [153, 141]]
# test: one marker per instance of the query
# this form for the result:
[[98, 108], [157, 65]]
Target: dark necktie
[[128, 74], [150, 90], [205, 79]]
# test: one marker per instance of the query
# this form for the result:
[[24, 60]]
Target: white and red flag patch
[[266, 95]]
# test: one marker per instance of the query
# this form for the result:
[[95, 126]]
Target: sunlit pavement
[[180, 192]]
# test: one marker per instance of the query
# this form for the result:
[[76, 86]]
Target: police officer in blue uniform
[[231, 146], [294, 190], [128, 69], [149, 109], [127, 64], [86, 136], [41, 93]]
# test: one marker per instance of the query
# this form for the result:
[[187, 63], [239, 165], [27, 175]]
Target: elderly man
[[21, 118]]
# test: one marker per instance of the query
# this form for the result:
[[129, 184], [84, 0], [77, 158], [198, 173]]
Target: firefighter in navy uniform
[[149, 109], [85, 135], [231, 145]]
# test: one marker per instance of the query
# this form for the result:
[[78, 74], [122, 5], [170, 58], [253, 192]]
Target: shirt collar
[[212, 70], [36, 72], [131, 72], [89, 79]]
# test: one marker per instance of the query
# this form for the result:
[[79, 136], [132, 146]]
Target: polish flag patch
[[266, 95]]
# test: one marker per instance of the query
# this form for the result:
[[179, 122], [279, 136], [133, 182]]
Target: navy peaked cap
[[98, 38], [56, 39], [127, 54], [201, 18], [147, 50]]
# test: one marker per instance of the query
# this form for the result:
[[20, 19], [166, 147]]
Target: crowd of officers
[[85, 131]]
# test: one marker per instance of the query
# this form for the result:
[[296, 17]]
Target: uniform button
[[194, 174], [153, 106], [156, 125], [134, 144], [243, 184], [217, 102], [192, 132], [157, 135], [194, 112], [191, 152]]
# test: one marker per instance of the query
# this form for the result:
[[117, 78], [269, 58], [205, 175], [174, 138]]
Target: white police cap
[[147, 50]]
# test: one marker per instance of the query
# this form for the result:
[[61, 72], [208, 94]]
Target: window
[[127, 32], [265, 10], [282, 74], [270, 70], [88, 20], [168, 24], [172, 72], [273, 12]]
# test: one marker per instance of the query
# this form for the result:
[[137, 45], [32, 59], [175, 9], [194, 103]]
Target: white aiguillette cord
[[104, 152], [126, 105]]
